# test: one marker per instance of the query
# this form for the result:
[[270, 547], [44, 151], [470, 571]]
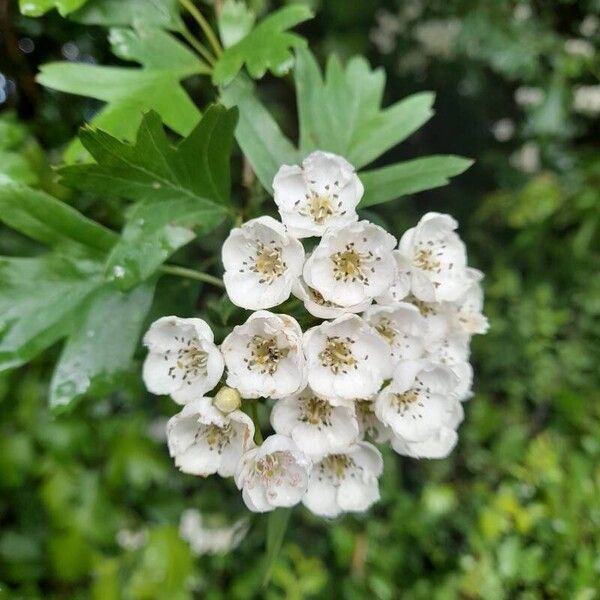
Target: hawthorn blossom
[[320, 194], [204, 538], [352, 264], [345, 482], [272, 475], [264, 356], [261, 262], [368, 423], [435, 259], [183, 360], [466, 313], [419, 401], [452, 351], [439, 444], [317, 427], [346, 359], [204, 441], [401, 326], [317, 306]]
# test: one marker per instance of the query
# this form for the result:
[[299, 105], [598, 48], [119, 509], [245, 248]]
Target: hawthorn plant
[[345, 334]]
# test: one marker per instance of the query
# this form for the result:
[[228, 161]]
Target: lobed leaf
[[266, 47], [50, 221], [400, 179], [129, 92], [101, 347], [160, 13], [235, 21]]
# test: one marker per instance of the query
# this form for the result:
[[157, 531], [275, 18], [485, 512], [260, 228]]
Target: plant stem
[[258, 438], [199, 47], [206, 28], [191, 274]]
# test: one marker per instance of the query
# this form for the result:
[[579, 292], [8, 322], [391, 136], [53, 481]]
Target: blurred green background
[[90, 503]]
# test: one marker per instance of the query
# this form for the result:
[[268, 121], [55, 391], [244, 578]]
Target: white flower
[[316, 305], [466, 313], [345, 482], [317, 427], [401, 326], [183, 361], [400, 286], [439, 444], [419, 401], [452, 350], [272, 475], [264, 356], [352, 264], [261, 262], [368, 423], [322, 193], [346, 359], [435, 258], [203, 440], [205, 539]]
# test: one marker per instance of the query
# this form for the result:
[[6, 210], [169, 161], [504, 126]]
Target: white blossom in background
[[436, 259], [317, 427], [264, 356], [527, 96], [202, 440], [590, 25], [346, 359], [419, 401], [317, 306], [369, 425], [204, 538], [182, 360], [261, 262], [345, 482], [579, 47], [402, 326], [503, 129], [586, 100], [352, 264], [320, 194], [273, 475]]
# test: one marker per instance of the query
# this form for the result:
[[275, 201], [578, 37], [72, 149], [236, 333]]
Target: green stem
[[258, 438], [199, 47], [191, 274], [206, 28]]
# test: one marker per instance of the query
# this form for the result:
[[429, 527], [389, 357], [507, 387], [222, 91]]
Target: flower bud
[[227, 399]]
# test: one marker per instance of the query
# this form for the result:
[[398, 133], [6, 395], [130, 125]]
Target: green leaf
[[267, 46], [389, 183], [15, 168], [129, 92], [179, 188], [235, 21], [257, 133], [36, 8], [160, 13], [341, 113], [39, 302], [277, 523], [50, 221], [101, 347]]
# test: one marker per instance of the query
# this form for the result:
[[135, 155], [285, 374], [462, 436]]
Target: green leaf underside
[[50, 221], [266, 47], [178, 188], [36, 8], [401, 179], [257, 133], [277, 523], [129, 92], [39, 303], [102, 346], [341, 113], [161, 13]]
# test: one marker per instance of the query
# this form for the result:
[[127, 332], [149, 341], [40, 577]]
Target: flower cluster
[[387, 359]]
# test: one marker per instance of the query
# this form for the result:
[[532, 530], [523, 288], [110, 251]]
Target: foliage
[[512, 514]]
